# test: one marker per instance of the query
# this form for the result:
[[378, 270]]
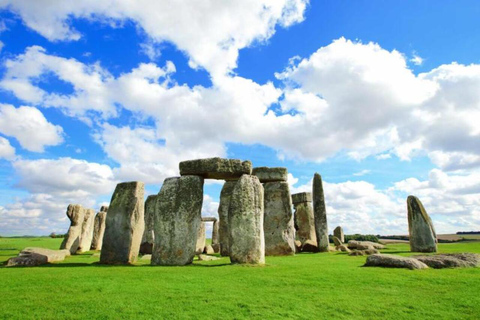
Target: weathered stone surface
[[353, 244], [364, 247], [216, 168], [177, 220], [420, 227], [450, 260], [124, 224], [309, 246], [278, 220], [148, 237], [391, 261], [337, 241], [209, 219], [103, 208], [51, 255], [320, 214], [208, 250], [146, 257], [266, 174], [86, 236], [201, 237], [223, 230], [298, 246], [304, 222], [204, 257], [301, 197], [342, 248], [338, 232], [357, 253], [75, 213], [99, 230], [27, 261], [245, 219], [216, 247], [215, 239]]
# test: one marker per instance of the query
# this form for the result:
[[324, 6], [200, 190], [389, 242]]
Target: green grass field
[[306, 286]]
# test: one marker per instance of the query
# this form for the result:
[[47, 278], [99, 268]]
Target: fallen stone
[[364, 247], [124, 224], [146, 245], [266, 174], [86, 236], [391, 261], [209, 219], [223, 230], [99, 230], [278, 224], [31, 260], [178, 213], [309, 246], [320, 214], [75, 213], [371, 251], [216, 168], [52, 255], [338, 232], [337, 241], [342, 248], [353, 244], [357, 253], [420, 227], [146, 257], [208, 250], [204, 257], [301, 197], [201, 239], [304, 222], [245, 220], [450, 260]]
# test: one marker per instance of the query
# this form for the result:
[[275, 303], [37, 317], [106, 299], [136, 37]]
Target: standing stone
[[147, 239], [278, 220], [420, 227], [124, 224], [201, 239], [320, 214], [304, 219], [99, 230], [216, 168], [223, 228], [75, 213], [215, 237], [245, 220], [87, 231], [178, 211], [338, 232]]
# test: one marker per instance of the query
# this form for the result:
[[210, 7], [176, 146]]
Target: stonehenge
[[177, 219], [99, 228], [245, 221], [420, 227], [304, 219], [146, 245], [278, 224], [320, 214], [86, 236], [76, 214], [223, 229], [216, 168], [124, 224]]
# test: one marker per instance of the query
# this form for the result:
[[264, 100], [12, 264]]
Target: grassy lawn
[[306, 286]]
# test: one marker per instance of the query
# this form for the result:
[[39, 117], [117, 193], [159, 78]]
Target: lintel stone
[[301, 197], [266, 174], [216, 168]]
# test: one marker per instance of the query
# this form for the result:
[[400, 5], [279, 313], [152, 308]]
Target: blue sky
[[381, 98]]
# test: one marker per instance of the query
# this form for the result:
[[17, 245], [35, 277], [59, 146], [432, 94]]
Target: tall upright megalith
[[420, 227], [278, 224], [320, 214], [303, 217], [338, 232], [215, 237], [178, 211], [201, 239], [147, 238], [76, 214], [124, 224], [245, 220], [223, 229], [99, 228], [86, 236]]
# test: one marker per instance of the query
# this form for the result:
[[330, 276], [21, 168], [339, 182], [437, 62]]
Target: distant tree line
[[54, 235], [468, 232]]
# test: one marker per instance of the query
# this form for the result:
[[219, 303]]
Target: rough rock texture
[[208, 250], [304, 222], [420, 227], [301, 197], [204, 257], [146, 257], [342, 248], [201, 238], [223, 230], [103, 208], [147, 238], [99, 230], [31, 260], [52, 255], [245, 220], [209, 219], [320, 214], [298, 246], [177, 220], [86, 236], [278, 224], [75, 213], [338, 232], [266, 174], [353, 244], [451, 260], [391, 261], [216, 247], [215, 233], [216, 168], [337, 241], [309, 246], [124, 224]]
